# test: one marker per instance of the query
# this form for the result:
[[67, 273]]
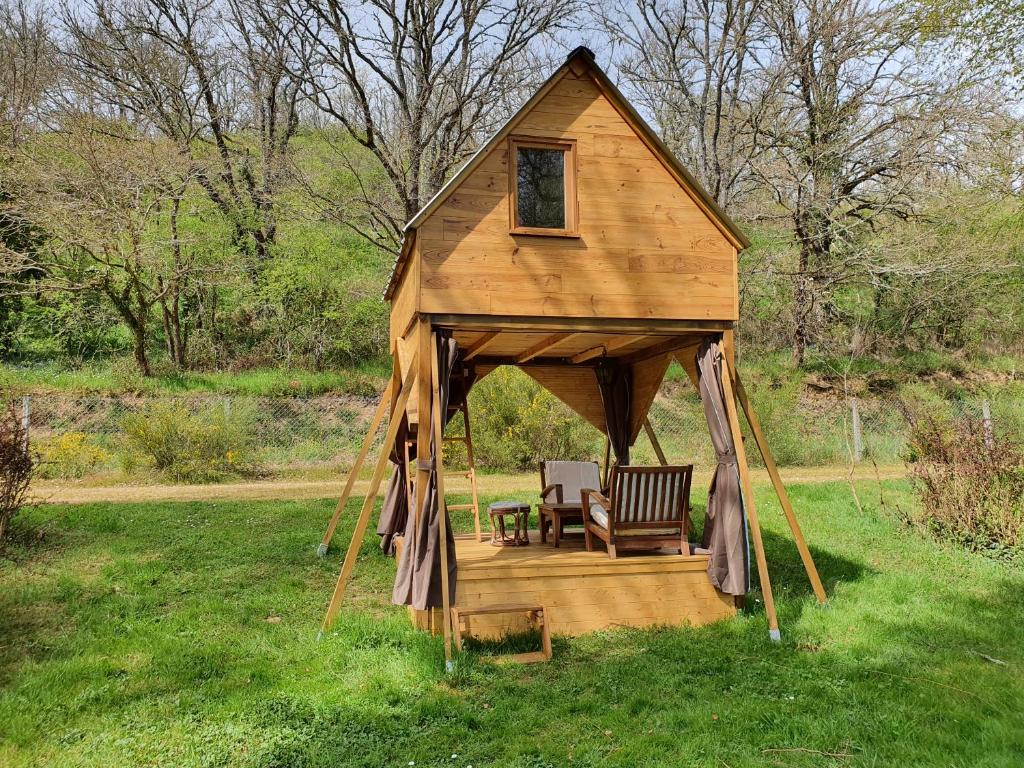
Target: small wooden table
[[520, 514], [557, 516]]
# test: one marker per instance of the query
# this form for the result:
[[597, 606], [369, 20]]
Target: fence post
[[227, 407], [858, 438], [986, 424], [26, 411]]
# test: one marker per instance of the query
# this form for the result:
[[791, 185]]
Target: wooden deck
[[580, 591]]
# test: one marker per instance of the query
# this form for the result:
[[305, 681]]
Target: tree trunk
[[139, 342], [803, 303]]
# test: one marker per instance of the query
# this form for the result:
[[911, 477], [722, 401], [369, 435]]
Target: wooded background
[[200, 185]]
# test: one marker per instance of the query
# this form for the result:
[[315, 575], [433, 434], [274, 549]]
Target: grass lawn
[[138, 634]]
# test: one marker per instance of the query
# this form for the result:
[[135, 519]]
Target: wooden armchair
[[646, 508], [561, 495]]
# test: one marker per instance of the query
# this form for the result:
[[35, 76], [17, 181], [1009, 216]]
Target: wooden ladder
[[467, 439]]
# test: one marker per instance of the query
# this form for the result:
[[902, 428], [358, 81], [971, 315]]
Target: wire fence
[[202, 438]]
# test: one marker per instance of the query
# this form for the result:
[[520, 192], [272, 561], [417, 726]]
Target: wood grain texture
[[645, 248], [581, 591]]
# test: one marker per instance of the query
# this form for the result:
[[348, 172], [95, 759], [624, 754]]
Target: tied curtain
[[395, 511], [418, 580], [616, 384], [725, 526]]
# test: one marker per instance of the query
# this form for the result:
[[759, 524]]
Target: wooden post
[[607, 460], [654, 442], [422, 368], [368, 504], [858, 438], [382, 407], [26, 420], [442, 516], [748, 499], [471, 474], [986, 425], [780, 491]]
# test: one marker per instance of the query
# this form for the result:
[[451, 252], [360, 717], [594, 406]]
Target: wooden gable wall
[[646, 250]]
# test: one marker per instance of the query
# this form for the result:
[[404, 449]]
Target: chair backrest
[[644, 495], [572, 476]]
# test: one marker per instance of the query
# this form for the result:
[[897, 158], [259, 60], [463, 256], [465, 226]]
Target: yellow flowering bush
[[70, 456]]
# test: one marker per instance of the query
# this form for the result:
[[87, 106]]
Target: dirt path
[[64, 493]]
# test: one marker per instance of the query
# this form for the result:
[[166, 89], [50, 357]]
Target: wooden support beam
[[480, 345], [672, 344], [780, 491], [654, 442], [609, 325], [437, 429], [607, 462], [543, 346], [748, 499], [424, 345], [368, 503], [617, 342], [384, 406]]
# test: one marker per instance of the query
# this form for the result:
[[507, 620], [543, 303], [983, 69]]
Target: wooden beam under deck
[[609, 325], [480, 345], [543, 346], [603, 349]]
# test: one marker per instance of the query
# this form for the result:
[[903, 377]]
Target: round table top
[[508, 506]]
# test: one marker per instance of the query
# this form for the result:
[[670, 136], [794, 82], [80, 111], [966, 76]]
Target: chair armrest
[[556, 487], [589, 496]]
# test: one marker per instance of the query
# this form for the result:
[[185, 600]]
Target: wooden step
[[461, 506]]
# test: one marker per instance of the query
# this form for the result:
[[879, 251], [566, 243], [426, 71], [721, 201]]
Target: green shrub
[[517, 424], [970, 485], [17, 464], [193, 446], [70, 456]]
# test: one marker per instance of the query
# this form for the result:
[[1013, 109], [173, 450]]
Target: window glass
[[540, 184]]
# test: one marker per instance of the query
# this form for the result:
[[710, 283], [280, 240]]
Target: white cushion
[[573, 476], [598, 515]]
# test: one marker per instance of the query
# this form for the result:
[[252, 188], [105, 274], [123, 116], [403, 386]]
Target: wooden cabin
[[571, 239]]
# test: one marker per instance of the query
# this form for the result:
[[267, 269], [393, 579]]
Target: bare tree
[[213, 77], [861, 119], [110, 199], [696, 66], [415, 84]]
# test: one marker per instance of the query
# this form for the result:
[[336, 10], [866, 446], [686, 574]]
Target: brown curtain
[[418, 581], [725, 526], [616, 382], [395, 511]]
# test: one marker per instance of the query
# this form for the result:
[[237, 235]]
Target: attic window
[[543, 181]]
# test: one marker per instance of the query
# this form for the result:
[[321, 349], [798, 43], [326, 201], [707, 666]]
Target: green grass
[[137, 635], [105, 379]]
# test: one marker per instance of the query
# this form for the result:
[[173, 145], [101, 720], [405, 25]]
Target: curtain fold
[[418, 580], [395, 511], [725, 526], [616, 383]]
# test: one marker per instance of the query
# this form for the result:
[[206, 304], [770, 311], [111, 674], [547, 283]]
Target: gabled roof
[[581, 56]]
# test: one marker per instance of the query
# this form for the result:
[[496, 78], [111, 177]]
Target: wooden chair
[[562, 484], [646, 508]]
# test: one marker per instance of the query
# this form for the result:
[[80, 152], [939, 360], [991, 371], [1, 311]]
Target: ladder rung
[[455, 439], [461, 506]]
